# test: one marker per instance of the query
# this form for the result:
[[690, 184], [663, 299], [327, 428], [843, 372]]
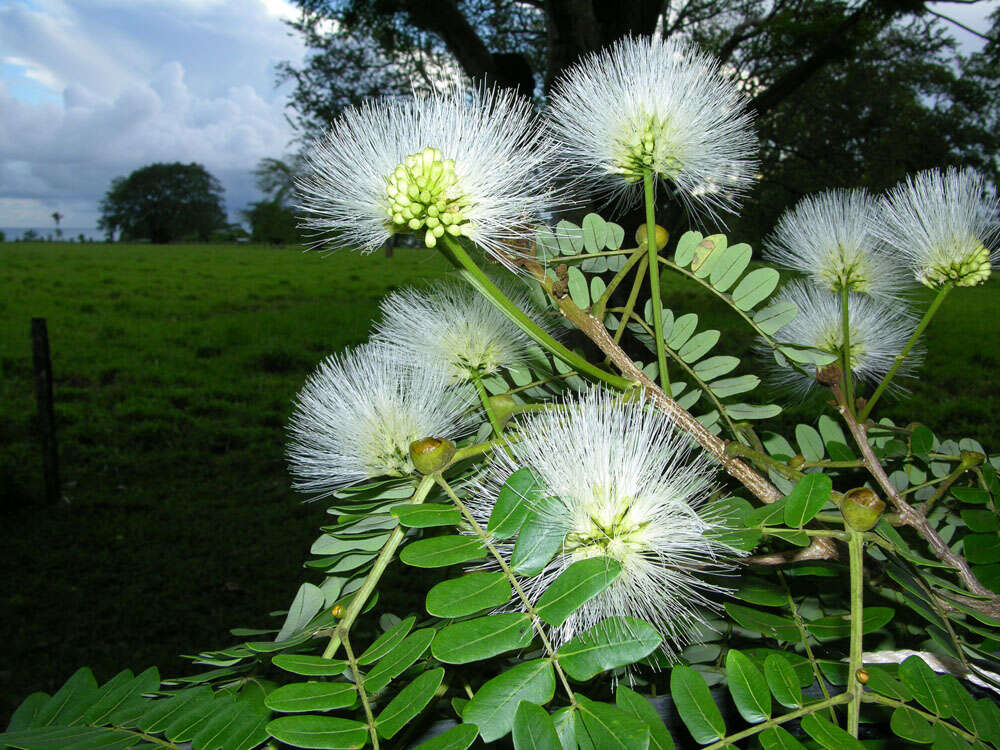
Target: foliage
[[272, 222], [571, 515], [163, 202]]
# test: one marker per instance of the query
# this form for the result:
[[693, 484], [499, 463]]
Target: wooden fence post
[[46, 414]]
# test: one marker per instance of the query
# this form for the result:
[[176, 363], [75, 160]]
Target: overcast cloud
[[92, 89]]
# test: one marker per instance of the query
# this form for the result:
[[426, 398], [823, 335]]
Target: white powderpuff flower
[[453, 324], [359, 411], [941, 223], [465, 162], [829, 237], [619, 481], [660, 105], [878, 333]]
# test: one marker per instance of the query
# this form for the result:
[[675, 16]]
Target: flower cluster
[[359, 411], [941, 224], [619, 481], [454, 325]]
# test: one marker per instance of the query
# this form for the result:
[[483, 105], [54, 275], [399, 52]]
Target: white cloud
[[124, 84]]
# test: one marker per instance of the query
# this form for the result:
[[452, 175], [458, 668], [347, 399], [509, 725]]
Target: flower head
[[657, 105], [941, 223], [455, 325], [828, 237], [620, 482], [359, 411], [878, 332], [462, 163]]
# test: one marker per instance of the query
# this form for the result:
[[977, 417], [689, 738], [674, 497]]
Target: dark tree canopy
[[164, 202], [847, 93]]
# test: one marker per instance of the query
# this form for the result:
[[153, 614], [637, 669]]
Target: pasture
[[174, 372]]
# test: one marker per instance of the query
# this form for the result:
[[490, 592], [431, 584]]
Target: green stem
[[829, 464], [585, 256], [359, 683], [542, 381], [856, 546], [804, 636], [525, 602], [763, 461], [732, 739], [485, 398], [845, 301], [599, 307], [947, 481], [457, 254], [633, 295], [942, 293], [372, 579], [654, 280], [932, 718]]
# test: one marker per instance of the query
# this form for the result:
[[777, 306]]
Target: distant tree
[[3, 237], [30, 235], [164, 202], [272, 222], [57, 217], [275, 178]]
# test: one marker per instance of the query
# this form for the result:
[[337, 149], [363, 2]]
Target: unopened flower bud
[[337, 611], [862, 508], [503, 407], [796, 461], [862, 675], [972, 458], [661, 236], [431, 454]]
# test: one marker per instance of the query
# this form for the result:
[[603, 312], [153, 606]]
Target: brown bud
[[862, 675], [972, 458], [431, 454], [829, 375], [862, 508], [796, 461], [337, 611]]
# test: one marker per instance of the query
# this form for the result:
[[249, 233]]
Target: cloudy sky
[[92, 89]]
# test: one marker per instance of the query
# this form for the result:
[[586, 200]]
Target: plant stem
[[856, 545], [804, 636], [599, 307], [932, 718], [640, 274], [485, 398], [845, 301], [763, 461], [525, 602], [359, 683], [732, 739], [942, 293], [654, 279], [372, 579], [456, 253]]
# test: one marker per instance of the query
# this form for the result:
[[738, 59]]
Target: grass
[[174, 373]]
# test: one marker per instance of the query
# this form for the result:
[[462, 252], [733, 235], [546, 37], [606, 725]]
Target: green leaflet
[[929, 691], [748, 688], [409, 702], [579, 583], [608, 727], [307, 603], [456, 738], [615, 642], [311, 666], [426, 516], [829, 735], [910, 725], [494, 705], [695, 705], [467, 595], [778, 738], [755, 287], [399, 659], [318, 731], [441, 551], [482, 638], [782, 681], [631, 702], [537, 543], [533, 728], [805, 501], [514, 503], [387, 641], [311, 696]]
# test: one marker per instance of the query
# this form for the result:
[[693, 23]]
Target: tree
[[57, 217], [164, 202], [272, 222], [849, 93]]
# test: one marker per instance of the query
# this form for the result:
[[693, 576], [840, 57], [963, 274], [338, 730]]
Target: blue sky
[[92, 89]]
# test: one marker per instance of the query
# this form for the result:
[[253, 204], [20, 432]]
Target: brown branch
[[912, 517], [821, 548], [594, 329]]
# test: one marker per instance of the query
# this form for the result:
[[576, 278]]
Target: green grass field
[[174, 372]]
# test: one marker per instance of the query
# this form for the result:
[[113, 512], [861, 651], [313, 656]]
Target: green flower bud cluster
[[967, 269], [645, 147], [423, 195], [855, 274]]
